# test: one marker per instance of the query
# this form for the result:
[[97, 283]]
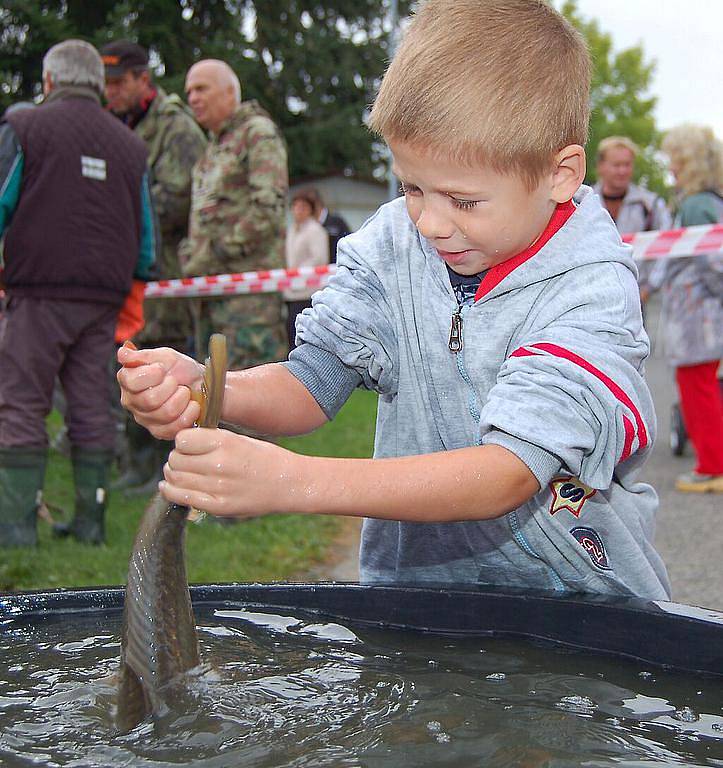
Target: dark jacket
[[337, 228], [80, 226]]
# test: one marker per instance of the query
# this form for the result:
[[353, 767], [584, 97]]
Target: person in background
[[76, 210], [693, 303], [632, 207], [307, 245], [495, 312], [238, 213], [335, 224], [175, 142]]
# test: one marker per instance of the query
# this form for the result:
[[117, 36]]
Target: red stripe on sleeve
[[629, 435], [554, 349], [619, 393]]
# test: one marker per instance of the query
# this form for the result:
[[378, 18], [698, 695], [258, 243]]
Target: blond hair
[[500, 82], [698, 156], [616, 142]]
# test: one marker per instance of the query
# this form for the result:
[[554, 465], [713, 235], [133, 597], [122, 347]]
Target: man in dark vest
[[76, 212]]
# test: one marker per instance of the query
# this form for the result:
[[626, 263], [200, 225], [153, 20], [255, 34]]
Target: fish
[[158, 640]]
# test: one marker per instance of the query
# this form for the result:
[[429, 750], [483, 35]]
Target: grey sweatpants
[[41, 339]]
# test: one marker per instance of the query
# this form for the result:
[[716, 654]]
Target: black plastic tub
[[668, 635]]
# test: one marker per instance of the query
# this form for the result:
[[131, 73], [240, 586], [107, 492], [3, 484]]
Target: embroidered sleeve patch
[[591, 542], [569, 493]]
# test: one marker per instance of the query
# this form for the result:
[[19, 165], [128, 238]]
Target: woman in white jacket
[[307, 245]]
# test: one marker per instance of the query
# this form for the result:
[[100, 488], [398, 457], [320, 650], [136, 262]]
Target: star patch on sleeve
[[569, 493]]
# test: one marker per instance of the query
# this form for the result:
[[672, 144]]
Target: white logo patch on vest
[[92, 167], [569, 493]]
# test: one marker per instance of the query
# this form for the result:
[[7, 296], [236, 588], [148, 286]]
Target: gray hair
[[75, 62]]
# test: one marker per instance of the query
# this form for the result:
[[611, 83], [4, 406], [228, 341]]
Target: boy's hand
[[156, 388], [227, 474]]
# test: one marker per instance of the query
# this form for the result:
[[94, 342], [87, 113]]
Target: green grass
[[264, 549]]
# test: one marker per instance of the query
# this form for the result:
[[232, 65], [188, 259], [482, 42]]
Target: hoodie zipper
[[455, 332], [456, 344]]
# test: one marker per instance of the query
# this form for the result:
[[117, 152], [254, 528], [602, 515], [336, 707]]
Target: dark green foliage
[[314, 66]]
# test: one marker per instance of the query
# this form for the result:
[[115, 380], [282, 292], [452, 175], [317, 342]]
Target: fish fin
[[133, 702]]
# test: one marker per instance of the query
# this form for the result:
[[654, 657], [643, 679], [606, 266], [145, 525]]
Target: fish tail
[[133, 702]]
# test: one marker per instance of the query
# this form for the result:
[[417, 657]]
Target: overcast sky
[[685, 38]]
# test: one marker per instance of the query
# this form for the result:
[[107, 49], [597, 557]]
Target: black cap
[[122, 55]]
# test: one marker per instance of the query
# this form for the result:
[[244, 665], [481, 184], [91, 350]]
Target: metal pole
[[392, 183]]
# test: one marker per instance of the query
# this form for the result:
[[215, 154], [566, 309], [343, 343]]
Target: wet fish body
[[159, 641]]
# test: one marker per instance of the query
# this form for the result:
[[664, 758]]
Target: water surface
[[290, 690]]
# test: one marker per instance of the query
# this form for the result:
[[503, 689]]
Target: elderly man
[[76, 213], [632, 207], [238, 212], [175, 143]]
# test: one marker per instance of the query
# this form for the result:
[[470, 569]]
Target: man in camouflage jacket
[[238, 213], [174, 142]]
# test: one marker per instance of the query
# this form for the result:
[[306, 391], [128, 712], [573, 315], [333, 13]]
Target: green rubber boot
[[141, 457], [22, 472], [91, 470], [161, 449]]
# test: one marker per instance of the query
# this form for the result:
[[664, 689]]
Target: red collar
[[499, 272]]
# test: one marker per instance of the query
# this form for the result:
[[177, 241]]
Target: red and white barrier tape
[[265, 281], [676, 243], [664, 244]]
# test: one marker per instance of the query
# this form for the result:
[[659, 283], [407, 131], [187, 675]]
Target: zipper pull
[[455, 332]]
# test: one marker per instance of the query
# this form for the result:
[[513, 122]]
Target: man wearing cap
[[175, 142], [76, 212], [238, 212]]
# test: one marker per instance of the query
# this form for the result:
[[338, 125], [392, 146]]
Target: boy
[[497, 318]]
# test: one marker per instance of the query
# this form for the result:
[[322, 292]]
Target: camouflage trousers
[[254, 328]]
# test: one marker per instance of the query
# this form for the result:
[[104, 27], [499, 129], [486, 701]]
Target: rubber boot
[[91, 470], [141, 457], [22, 472], [161, 449]]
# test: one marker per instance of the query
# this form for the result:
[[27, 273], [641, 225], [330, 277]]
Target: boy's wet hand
[[154, 387], [226, 474]]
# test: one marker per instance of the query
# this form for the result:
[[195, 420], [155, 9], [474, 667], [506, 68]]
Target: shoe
[[694, 482]]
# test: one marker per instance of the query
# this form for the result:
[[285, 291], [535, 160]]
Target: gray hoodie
[[550, 367]]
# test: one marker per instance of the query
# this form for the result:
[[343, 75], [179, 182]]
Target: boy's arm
[[235, 476], [573, 386], [156, 388], [290, 398], [270, 400], [477, 483]]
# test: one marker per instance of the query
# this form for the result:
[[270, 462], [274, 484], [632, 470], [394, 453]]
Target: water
[[288, 690]]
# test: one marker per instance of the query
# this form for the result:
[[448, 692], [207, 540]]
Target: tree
[[618, 104], [314, 65]]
